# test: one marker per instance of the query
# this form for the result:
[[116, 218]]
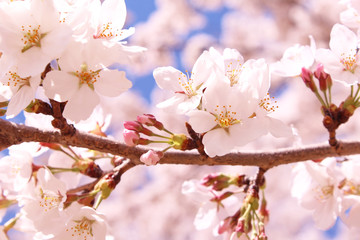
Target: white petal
[[81, 105], [112, 83], [20, 100], [168, 78], [342, 40], [60, 86], [201, 121]]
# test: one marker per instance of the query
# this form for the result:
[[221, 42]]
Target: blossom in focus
[[342, 60], [235, 108], [23, 87], [108, 19], [187, 89], [83, 77]]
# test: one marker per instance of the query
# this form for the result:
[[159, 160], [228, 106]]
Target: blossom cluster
[[65, 47], [225, 98], [330, 188]]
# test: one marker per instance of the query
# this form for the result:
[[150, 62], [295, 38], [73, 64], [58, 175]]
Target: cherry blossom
[[43, 202], [187, 89], [237, 112], [84, 76], [15, 169], [32, 30], [23, 87], [342, 60], [316, 188], [82, 223], [294, 59]]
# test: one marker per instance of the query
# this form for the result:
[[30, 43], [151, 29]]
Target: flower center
[[233, 72], [324, 192], [87, 76], [350, 188], [49, 200], [225, 117], [14, 80], [267, 104], [82, 229], [349, 60], [186, 84], [31, 37], [107, 32]]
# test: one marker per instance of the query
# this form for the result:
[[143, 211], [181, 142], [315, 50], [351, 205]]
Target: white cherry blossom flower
[[187, 89], [32, 30], [23, 88], [83, 77], [15, 169], [342, 60], [351, 16], [208, 214], [316, 188], [236, 114], [225, 119], [43, 202], [231, 63], [82, 223], [294, 59], [108, 20]]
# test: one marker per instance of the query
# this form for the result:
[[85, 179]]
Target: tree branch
[[12, 133]]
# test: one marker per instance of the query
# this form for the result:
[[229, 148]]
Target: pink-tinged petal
[[171, 102], [168, 78], [189, 104], [202, 69], [201, 121], [248, 130], [112, 83], [232, 55], [60, 86], [81, 105], [61, 36], [218, 59], [342, 40], [20, 100], [332, 65], [114, 11]]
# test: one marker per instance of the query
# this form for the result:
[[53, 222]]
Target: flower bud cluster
[[133, 129], [248, 219], [325, 81]]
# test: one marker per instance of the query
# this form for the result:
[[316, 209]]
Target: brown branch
[[11, 133]]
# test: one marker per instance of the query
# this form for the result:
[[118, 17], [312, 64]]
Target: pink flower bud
[[150, 120], [131, 138], [151, 157], [137, 127], [133, 125], [225, 225], [307, 77], [147, 119], [325, 80]]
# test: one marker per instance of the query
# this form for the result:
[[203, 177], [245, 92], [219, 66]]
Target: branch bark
[[12, 133]]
